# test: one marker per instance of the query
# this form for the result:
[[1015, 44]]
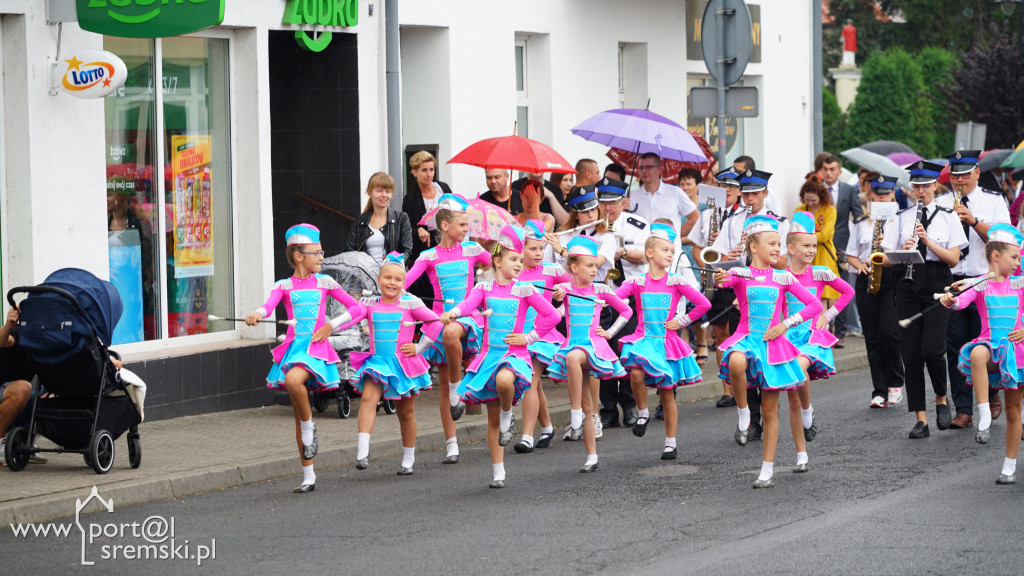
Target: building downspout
[[816, 120], [394, 112]]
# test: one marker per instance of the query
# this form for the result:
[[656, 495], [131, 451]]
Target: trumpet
[[877, 257], [614, 274]]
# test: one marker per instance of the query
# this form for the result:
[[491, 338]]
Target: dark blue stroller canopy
[[52, 326]]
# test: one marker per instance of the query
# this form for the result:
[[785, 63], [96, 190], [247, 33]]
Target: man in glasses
[[660, 200], [978, 208]]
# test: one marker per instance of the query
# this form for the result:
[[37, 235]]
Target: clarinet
[[909, 276]]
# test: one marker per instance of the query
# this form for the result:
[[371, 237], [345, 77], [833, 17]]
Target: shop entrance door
[[314, 144]]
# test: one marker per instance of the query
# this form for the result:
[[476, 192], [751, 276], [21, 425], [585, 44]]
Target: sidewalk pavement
[[192, 454]]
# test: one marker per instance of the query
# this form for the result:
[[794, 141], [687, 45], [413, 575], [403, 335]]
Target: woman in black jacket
[[379, 230], [422, 198]]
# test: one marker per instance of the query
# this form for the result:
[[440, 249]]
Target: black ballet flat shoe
[[304, 488], [669, 454], [458, 410], [725, 402], [755, 431], [943, 420], [545, 440], [811, 433], [920, 431], [308, 452], [640, 428], [659, 413], [523, 448]]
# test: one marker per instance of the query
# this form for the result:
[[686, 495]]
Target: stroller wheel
[[134, 450], [318, 401], [344, 405], [101, 452], [389, 406], [17, 440]]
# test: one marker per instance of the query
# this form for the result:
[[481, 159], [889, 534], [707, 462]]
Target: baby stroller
[[65, 325]]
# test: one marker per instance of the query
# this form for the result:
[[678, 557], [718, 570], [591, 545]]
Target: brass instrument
[[909, 276], [877, 256], [958, 193], [614, 274], [709, 278]]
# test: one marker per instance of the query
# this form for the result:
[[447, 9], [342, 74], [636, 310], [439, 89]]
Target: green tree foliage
[[885, 105], [954, 25], [936, 64], [833, 121]]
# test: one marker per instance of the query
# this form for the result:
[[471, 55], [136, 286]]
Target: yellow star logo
[[74, 63]]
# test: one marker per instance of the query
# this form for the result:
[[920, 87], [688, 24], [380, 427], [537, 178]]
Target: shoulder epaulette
[[523, 289], [676, 280], [326, 282], [861, 219], [410, 302], [429, 255], [637, 221], [552, 270], [601, 289], [285, 284], [1016, 282], [563, 286], [993, 192], [783, 277], [824, 274], [638, 279], [471, 248], [485, 286], [742, 272]]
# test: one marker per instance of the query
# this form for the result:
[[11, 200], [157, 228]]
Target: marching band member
[[877, 310], [977, 209], [759, 355], [935, 232]]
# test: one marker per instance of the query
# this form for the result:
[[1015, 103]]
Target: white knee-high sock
[[306, 428], [807, 416], [744, 417], [362, 446], [984, 416], [408, 457]]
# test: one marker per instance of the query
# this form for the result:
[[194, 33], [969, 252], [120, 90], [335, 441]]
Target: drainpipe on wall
[[816, 121], [392, 70]]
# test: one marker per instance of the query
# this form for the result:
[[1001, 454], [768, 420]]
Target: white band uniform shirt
[[732, 231], [861, 234], [988, 207], [668, 201], [943, 228], [700, 235], [634, 231]]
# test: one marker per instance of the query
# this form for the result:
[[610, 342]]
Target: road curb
[[186, 483]]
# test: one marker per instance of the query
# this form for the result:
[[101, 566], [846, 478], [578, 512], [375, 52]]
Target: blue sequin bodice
[[761, 301], [1002, 315], [656, 313], [305, 310], [501, 321], [794, 306], [453, 278], [581, 315], [531, 314], [385, 332]]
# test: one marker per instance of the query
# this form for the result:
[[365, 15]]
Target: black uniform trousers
[[617, 391], [923, 342], [964, 326], [881, 331]]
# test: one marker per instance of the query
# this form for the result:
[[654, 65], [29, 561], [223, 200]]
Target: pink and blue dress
[[1000, 306], [398, 375], [762, 295], [509, 304], [816, 345], [451, 273], [305, 301], [582, 319], [666, 360], [544, 276]]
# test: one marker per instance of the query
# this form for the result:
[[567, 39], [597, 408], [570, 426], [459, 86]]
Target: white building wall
[[581, 39]]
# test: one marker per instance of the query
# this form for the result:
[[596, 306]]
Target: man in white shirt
[[977, 210], [660, 200], [753, 190]]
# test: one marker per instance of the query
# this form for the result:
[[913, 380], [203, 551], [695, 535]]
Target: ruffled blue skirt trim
[[387, 372], [648, 354], [761, 374], [543, 352], [599, 367], [1003, 356], [482, 386], [325, 374], [823, 363], [436, 355]]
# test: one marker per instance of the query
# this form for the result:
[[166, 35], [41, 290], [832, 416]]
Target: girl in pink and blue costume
[[996, 356], [394, 369], [586, 348], [544, 276], [451, 267], [503, 370], [305, 360], [758, 355], [655, 355], [812, 337]]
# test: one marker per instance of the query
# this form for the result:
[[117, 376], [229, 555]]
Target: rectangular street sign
[[740, 102]]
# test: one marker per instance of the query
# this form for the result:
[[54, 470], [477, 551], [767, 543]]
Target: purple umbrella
[[641, 131], [904, 158]]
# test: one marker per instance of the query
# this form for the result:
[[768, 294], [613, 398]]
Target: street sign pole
[[720, 83], [726, 42]]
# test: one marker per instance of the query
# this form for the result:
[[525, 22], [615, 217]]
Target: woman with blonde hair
[[379, 230]]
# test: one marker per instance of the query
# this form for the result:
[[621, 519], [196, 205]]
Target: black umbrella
[[886, 147], [993, 159]]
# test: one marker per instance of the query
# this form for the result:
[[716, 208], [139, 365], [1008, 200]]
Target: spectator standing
[[818, 202], [846, 199], [530, 195], [421, 199], [658, 199], [500, 193], [379, 230]]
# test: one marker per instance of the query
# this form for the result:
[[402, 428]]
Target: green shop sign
[[340, 13], [148, 18]]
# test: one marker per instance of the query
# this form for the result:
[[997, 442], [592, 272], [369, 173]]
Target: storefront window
[[193, 197]]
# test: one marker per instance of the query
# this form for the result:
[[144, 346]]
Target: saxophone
[[875, 284]]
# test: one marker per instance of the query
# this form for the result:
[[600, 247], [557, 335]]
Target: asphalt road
[[874, 502]]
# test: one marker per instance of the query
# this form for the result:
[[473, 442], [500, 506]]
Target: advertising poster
[[191, 159], [125, 251]]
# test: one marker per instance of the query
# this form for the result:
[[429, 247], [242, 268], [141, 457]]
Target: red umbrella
[[516, 153], [669, 168]]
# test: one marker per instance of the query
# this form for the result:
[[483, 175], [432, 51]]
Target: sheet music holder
[[905, 257]]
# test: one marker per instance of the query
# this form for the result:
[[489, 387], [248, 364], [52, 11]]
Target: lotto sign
[[93, 74], [148, 18]]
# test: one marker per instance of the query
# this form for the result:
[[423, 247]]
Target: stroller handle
[[48, 290]]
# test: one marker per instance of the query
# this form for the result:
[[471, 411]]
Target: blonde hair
[[574, 222], [289, 254], [378, 180], [421, 157]]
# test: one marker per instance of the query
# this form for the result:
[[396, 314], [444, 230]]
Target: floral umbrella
[[485, 219]]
